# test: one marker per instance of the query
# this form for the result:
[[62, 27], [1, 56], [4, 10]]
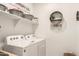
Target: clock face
[[56, 18]]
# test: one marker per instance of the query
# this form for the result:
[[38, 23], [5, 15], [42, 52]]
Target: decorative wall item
[[77, 16], [56, 19]]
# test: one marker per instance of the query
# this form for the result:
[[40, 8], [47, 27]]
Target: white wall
[[58, 42], [7, 29], [30, 6]]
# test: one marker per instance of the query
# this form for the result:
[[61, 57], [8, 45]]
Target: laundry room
[[39, 29]]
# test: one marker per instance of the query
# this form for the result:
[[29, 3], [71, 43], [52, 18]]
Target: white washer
[[25, 46]]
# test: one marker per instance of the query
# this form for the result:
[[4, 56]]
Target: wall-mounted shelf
[[13, 17]]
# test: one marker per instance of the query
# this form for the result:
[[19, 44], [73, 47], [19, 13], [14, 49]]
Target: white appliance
[[25, 45]]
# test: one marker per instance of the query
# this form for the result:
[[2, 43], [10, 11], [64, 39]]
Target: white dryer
[[25, 45]]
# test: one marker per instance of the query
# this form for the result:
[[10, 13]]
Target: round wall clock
[[56, 19]]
